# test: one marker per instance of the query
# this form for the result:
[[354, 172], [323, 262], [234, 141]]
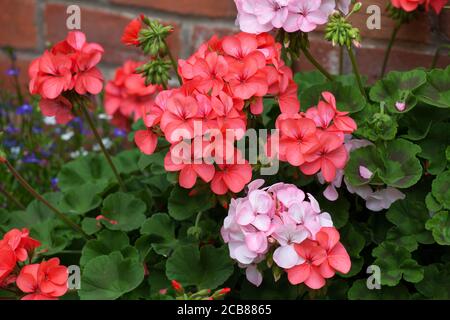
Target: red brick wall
[[29, 25]]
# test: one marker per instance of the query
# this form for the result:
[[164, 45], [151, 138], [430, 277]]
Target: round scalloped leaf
[[110, 276], [432, 284], [367, 157], [80, 200], [163, 227], [439, 225], [402, 169], [206, 268], [125, 210], [441, 189], [410, 216], [182, 205], [92, 169], [360, 291], [395, 86], [396, 263], [437, 90]]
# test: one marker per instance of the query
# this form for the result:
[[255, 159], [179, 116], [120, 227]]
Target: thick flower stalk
[[281, 224]]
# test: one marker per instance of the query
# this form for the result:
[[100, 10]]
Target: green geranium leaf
[[182, 206], [437, 89], [107, 241], [92, 169], [434, 147], [395, 236], [432, 204], [110, 276], [90, 225], [432, 284], [360, 291], [162, 226], [339, 210], [127, 211], [305, 80], [126, 162], [439, 225], [410, 216], [395, 262], [354, 242], [348, 97], [441, 189], [155, 161], [398, 87], [53, 235], [80, 200], [367, 157], [206, 268], [402, 169]]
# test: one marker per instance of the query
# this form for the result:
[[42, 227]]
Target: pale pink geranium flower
[[306, 15], [247, 18], [272, 12]]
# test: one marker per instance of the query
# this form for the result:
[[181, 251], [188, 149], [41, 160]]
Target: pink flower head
[[278, 216], [330, 156], [306, 15], [44, 281], [233, 177], [69, 66], [7, 261], [126, 96], [20, 242], [322, 257]]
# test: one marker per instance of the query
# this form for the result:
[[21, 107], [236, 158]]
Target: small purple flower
[[30, 158], [10, 129], [12, 72], [24, 109], [119, 133], [10, 143], [54, 182], [36, 130]]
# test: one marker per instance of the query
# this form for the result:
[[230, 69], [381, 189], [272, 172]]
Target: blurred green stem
[[389, 48], [356, 71], [315, 63], [40, 198], [11, 198], [102, 146]]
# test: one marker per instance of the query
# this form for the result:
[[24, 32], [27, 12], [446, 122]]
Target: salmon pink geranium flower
[[70, 66], [20, 242], [44, 281]]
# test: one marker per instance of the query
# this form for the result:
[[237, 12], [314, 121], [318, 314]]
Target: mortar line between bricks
[[133, 11]]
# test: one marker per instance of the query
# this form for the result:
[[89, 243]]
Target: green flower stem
[[389, 48], [11, 198], [341, 60], [356, 71], [316, 63], [40, 198], [197, 220], [102, 146], [174, 63]]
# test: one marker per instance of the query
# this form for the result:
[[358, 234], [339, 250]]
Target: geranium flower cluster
[[314, 140], [283, 223], [40, 281], [411, 5], [127, 95], [222, 82], [257, 16], [70, 65]]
